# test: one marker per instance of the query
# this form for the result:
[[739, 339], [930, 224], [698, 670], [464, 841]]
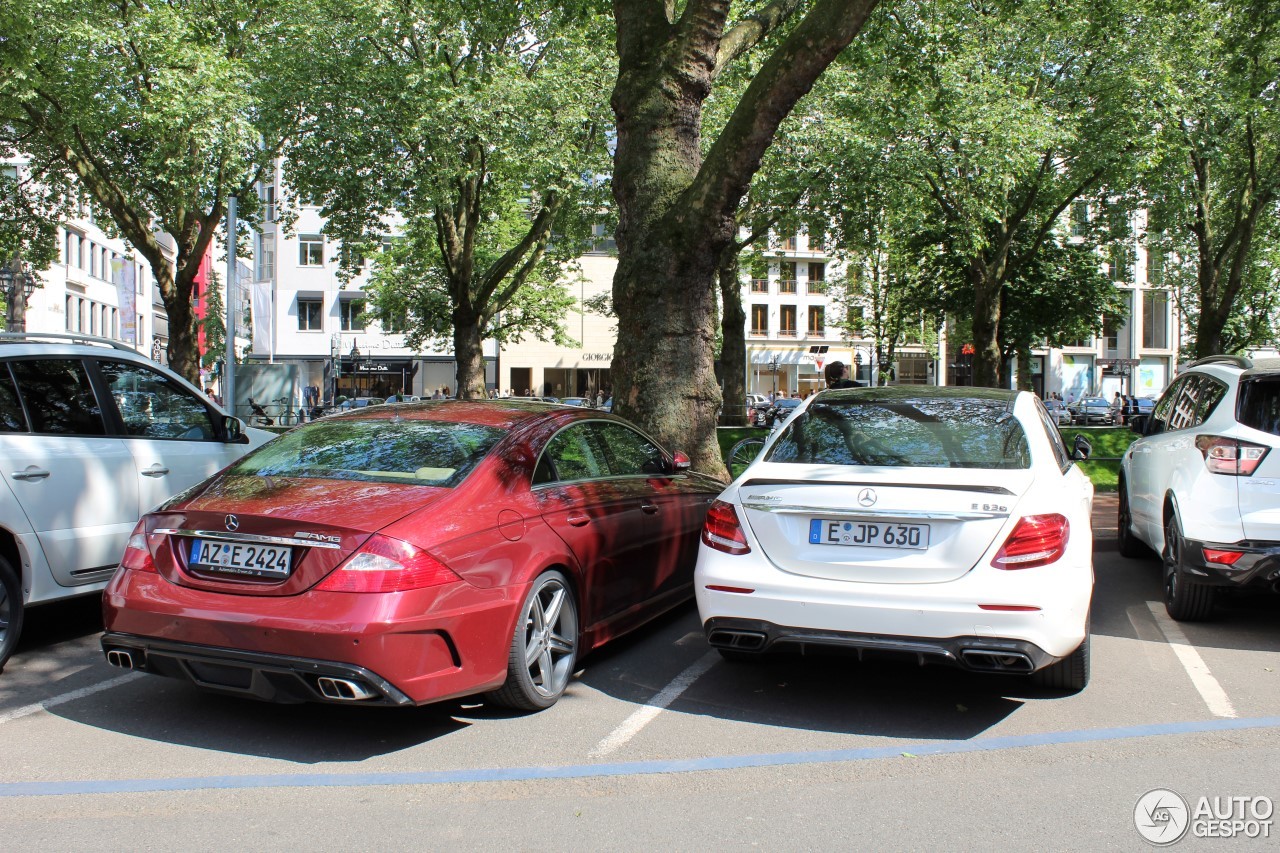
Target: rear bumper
[[272, 678], [426, 645], [978, 654], [1257, 569]]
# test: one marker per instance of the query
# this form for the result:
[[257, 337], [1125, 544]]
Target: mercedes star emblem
[[233, 523], [867, 497]]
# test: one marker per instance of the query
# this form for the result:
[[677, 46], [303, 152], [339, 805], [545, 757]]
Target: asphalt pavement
[[659, 743]]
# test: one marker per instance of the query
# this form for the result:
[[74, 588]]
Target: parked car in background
[[360, 403], [1134, 406], [92, 435], [408, 554], [1058, 412], [1198, 486], [580, 402], [899, 519], [1091, 410]]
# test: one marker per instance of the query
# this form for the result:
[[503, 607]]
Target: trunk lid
[[878, 525], [318, 523]]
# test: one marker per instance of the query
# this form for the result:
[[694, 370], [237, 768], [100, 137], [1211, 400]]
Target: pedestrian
[[600, 399], [837, 375], [1117, 409], [212, 396]]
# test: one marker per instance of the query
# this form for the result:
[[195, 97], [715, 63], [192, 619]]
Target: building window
[[912, 369], [310, 250], [759, 274], [1079, 218], [787, 277], [760, 320], [351, 315], [269, 204], [787, 322], [1155, 319], [1155, 266], [395, 325], [1121, 262], [310, 316], [1111, 335], [789, 243], [817, 278], [817, 320]]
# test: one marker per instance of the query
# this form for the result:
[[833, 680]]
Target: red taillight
[[1222, 558], [722, 531], [1231, 456], [1036, 540], [384, 564], [740, 590], [137, 556]]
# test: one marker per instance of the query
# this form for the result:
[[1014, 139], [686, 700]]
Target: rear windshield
[[391, 450], [1259, 405], [906, 433]]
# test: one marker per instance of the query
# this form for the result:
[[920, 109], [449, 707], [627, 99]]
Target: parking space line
[[63, 698], [642, 716], [1208, 687]]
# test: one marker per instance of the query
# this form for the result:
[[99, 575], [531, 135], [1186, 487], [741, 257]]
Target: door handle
[[648, 509], [578, 520], [31, 472], [154, 471]]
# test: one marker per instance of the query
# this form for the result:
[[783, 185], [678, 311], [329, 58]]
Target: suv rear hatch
[[1258, 411]]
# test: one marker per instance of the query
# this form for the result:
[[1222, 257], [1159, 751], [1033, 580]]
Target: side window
[[628, 453], [1055, 438], [11, 417], [59, 397], [153, 406], [1183, 414], [572, 455], [1164, 406], [1210, 397]]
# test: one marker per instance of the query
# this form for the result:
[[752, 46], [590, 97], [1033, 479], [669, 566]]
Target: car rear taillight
[[1222, 557], [1231, 456], [722, 531], [137, 557], [384, 564], [1036, 540]]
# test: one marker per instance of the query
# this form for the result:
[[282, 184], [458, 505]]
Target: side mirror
[[680, 462], [1138, 424], [233, 430], [1081, 448]]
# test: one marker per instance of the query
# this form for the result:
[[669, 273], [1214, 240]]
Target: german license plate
[[873, 534], [240, 558]]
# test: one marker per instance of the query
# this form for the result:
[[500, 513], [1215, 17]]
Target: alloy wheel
[[551, 631]]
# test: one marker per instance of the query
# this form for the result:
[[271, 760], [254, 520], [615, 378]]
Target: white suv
[[1200, 485], [92, 435]]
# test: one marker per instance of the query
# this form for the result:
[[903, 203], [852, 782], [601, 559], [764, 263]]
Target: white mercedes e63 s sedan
[[950, 524]]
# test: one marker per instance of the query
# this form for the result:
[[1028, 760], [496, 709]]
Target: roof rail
[[58, 337], [1233, 360]]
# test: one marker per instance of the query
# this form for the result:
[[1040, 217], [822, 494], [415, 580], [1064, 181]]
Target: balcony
[[786, 333], [759, 285], [786, 286], [759, 333]]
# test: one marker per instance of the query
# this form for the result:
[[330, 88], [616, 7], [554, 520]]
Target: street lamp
[[17, 283], [773, 364]]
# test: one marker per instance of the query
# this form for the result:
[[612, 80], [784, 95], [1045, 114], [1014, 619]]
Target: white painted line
[[28, 710], [1210, 690], [642, 716]]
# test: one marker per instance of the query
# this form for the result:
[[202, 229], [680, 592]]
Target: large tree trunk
[[986, 326], [469, 353], [733, 344], [675, 213]]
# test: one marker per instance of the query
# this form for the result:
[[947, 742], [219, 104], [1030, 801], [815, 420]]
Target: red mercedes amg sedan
[[408, 554]]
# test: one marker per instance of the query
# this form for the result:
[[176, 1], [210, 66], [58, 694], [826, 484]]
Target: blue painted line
[[632, 768]]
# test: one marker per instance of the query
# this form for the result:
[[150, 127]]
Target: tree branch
[[752, 30]]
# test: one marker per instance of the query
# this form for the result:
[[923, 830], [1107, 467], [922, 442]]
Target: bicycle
[[742, 454], [260, 416]]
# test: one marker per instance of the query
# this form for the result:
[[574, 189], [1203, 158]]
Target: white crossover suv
[[1201, 486], [949, 525], [92, 435]]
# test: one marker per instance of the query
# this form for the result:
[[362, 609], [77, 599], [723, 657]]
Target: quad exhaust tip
[[120, 658], [996, 661], [343, 689], [747, 641]]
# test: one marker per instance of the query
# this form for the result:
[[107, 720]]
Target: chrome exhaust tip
[[989, 660], [342, 689], [120, 658]]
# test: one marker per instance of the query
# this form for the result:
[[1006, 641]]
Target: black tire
[[556, 646], [1071, 673], [1128, 544], [1185, 599], [10, 610]]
